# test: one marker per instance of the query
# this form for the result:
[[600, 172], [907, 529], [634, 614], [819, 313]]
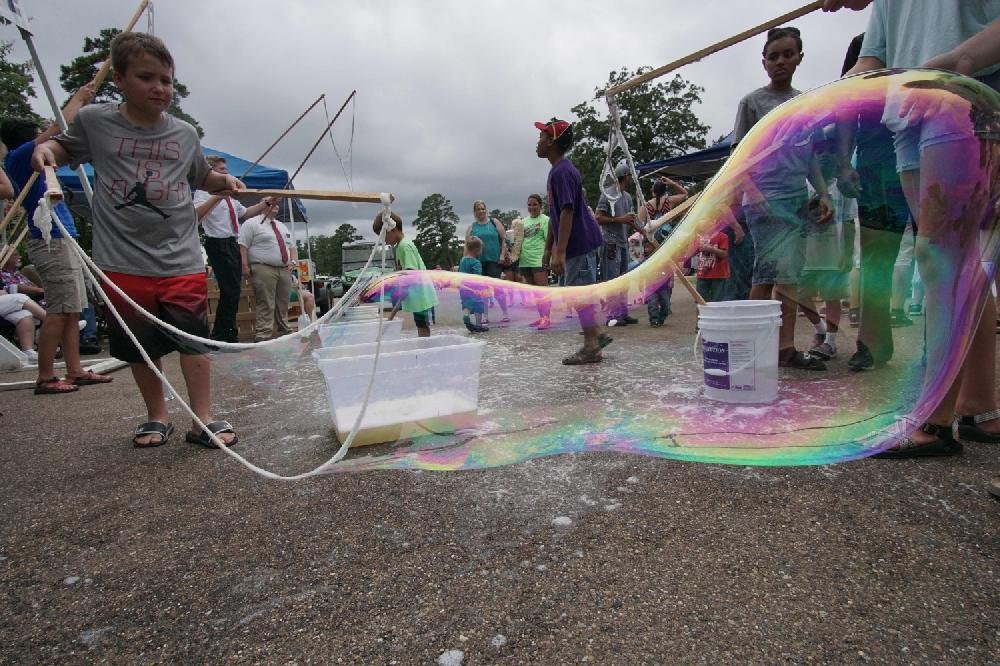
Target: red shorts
[[181, 301]]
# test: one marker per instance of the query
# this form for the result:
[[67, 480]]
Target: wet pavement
[[179, 554]]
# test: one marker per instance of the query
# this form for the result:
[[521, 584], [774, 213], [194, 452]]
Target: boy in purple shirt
[[574, 239]]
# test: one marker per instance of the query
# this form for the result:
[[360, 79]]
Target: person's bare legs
[[197, 371], [941, 194], [49, 337], [25, 329], [542, 302], [151, 390], [786, 295], [978, 391]]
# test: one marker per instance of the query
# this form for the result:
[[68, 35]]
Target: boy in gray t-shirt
[[145, 235]]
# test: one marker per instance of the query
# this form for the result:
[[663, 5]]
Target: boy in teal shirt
[[418, 297]]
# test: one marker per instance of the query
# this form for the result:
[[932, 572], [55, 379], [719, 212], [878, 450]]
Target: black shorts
[[528, 272], [424, 318], [492, 269]]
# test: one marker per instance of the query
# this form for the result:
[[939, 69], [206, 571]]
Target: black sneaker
[[90, 347], [628, 320], [863, 359], [898, 319]]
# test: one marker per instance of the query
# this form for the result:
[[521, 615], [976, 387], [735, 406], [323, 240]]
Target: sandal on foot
[[969, 430], [800, 361], [163, 430], [89, 378], [217, 428], [944, 444], [583, 356], [54, 385], [604, 340]]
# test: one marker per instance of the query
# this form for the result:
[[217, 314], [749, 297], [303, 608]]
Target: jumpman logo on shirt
[[137, 197]]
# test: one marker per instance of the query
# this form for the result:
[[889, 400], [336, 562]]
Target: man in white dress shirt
[[265, 251]]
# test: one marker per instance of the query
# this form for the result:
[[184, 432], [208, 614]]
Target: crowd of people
[[792, 235]]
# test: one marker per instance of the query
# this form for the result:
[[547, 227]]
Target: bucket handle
[[715, 372]]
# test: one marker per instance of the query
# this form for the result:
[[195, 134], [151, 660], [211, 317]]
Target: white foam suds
[[404, 410]]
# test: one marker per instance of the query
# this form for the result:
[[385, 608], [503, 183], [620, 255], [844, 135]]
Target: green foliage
[[326, 250], [16, 87], [436, 224], [83, 69], [657, 121], [505, 217]]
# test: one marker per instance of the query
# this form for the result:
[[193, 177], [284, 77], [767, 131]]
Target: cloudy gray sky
[[447, 89]]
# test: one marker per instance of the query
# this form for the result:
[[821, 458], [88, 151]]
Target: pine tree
[[16, 87], [436, 225], [83, 69]]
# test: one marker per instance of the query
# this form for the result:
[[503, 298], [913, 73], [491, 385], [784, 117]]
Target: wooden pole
[[325, 130], [52, 187], [10, 249], [102, 73], [318, 195], [283, 134], [674, 213], [18, 201], [714, 48], [687, 284]]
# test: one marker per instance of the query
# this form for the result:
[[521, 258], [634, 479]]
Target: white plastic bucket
[[740, 350], [359, 331]]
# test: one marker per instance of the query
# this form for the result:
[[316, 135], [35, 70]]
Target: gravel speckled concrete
[[177, 554]]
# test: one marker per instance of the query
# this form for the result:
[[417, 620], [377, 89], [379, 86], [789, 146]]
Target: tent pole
[[26, 36]]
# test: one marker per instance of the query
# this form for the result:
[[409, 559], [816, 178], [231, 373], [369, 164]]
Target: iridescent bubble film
[[503, 396]]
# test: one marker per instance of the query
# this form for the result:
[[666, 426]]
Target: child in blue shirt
[[473, 303]]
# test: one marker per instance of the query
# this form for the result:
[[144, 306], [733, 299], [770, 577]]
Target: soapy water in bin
[[647, 397]]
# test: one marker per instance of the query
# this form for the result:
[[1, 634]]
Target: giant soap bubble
[[647, 397]]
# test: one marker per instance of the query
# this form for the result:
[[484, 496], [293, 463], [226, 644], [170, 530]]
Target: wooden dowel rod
[[7, 251], [283, 134], [319, 195], [52, 187], [102, 73], [18, 201], [714, 48], [687, 284], [325, 130], [673, 214]]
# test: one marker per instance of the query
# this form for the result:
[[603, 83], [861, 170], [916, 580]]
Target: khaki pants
[[271, 288]]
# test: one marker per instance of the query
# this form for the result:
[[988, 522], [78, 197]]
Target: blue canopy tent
[[260, 178], [695, 166]]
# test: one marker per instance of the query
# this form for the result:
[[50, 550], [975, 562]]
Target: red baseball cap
[[555, 127]]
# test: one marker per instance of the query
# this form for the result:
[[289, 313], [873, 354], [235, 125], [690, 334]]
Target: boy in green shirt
[[418, 296]]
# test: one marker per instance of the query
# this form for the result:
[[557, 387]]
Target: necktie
[[281, 243], [232, 217]]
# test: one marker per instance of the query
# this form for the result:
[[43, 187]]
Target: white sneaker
[[32, 356]]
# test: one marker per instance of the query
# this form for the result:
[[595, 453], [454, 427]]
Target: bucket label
[[725, 356]]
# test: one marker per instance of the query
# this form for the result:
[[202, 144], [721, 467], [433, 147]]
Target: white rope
[[616, 139], [149, 18], [98, 276], [348, 173]]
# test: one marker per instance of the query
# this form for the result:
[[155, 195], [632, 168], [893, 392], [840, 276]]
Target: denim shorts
[[581, 270], [778, 231]]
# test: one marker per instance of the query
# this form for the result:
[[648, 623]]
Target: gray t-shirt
[[144, 221], [615, 233], [784, 175]]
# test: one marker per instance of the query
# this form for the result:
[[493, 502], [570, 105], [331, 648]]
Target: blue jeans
[[615, 263], [89, 332], [658, 303]]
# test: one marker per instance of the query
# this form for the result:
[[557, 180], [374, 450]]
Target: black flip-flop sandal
[[969, 430], [944, 444], [216, 428], [163, 430]]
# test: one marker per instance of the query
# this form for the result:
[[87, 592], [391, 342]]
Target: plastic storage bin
[[421, 386], [359, 332]]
